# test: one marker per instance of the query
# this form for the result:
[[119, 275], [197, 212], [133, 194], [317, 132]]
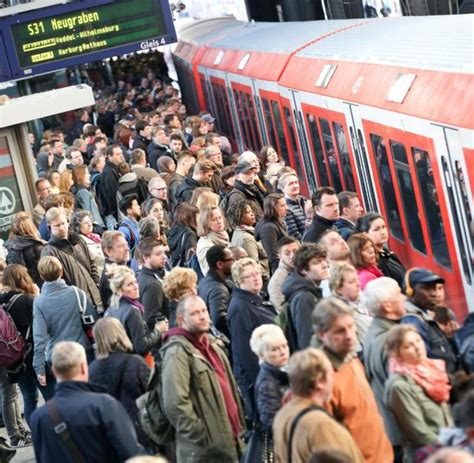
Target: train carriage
[[382, 107]]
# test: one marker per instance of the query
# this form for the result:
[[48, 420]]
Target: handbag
[[259, 448], [87, 320]]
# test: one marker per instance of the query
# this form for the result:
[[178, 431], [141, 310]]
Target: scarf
[[430, 375], [219, 238], [207, 351], [93, 237], [136, 303]]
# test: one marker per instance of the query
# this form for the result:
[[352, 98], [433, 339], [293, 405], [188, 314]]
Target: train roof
[[427, 42]]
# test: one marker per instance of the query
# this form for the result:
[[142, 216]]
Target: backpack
[[285, 322], [151, 416], [13, 346], [188, 258], [133, 241]]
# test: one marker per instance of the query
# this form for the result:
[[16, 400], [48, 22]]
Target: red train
[[382, 107]]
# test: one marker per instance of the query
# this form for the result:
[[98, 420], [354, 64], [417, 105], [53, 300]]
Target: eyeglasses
[[251, 275], [230, 259], [160, 189]]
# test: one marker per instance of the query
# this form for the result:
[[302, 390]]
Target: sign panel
[[56, 37], [10, 198]]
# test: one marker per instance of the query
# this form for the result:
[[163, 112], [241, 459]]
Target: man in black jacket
[[99, 428], [158, 146], [216, 287], [326, 208], [109, 185], [150, 281], [302, 292], [245, 188], [203, 172], [143, 137]]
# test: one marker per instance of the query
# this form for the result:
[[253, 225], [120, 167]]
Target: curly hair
[[235, 213], [179, 283]]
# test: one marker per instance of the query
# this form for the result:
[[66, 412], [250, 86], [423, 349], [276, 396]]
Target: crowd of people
[[160, 265]]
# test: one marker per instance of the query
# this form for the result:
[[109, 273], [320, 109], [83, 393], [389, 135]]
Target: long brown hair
[[16, 278], [22, 225]]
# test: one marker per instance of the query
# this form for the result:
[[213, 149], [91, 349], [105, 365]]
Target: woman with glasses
[[247, 311]]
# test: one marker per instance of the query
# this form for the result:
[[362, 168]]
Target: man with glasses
[[157, 189], [247, 311]]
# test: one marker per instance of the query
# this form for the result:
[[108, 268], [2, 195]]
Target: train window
[[244, 98], [331, 154], [270, 125], [465, 259], [241, 118], [252, 120], [463, 189], [294, 143], [318, 150], [430, 202], [386, 182], [412, 213], [281, 132], [344, 156]]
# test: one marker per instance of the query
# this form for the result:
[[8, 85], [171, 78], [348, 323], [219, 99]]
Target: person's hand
[[42, 380], [162, 326]]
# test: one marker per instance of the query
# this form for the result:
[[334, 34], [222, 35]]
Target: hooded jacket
[[154, 151], [302, 296], [26, 250], [194, 403]]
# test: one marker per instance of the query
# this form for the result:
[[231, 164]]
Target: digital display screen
[[58, 37]]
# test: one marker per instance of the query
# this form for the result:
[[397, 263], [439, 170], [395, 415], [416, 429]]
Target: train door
[[258, 108], [459, 194], [359, 147], [208, 93], [305, 149]]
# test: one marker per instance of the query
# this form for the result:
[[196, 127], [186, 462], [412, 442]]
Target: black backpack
[[285, 322], [151, 416]]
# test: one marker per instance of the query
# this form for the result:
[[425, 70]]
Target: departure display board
[[86, 34]]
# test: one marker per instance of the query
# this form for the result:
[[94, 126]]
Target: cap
[[129, 117], [423, 276], [208, 118], [243, 167]]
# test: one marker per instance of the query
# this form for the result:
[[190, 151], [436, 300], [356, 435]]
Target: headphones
[[408, 288]]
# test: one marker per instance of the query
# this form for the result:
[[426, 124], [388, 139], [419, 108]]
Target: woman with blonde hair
[[25, 245], [211, 230], [345, 285], [125, 375], [178, 283], [417, 390], [126, 307]]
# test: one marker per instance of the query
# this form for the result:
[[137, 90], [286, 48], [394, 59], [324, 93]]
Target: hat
[[243, 167], [423, 276], [208, 118], [129, 117]]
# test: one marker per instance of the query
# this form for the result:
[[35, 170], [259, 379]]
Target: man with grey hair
[[78, 267], [200, 396], [384, 299], [352, 401], [81, 422]]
